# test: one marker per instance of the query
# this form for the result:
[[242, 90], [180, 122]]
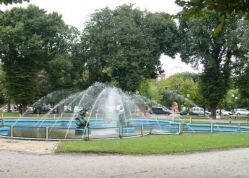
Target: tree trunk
[[8, 106], [247, 100], [22, 108], [213, 112], [61, 109]]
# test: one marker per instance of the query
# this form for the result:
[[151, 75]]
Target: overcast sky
[[77, 12]]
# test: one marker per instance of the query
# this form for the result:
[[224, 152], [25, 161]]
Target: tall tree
[[201, 45], [242, 71], [6, 2], [223, 9], [28, 39], [182, 88], [150, 90], [243, 84], [221, 6], [3, 94], [124, 45]]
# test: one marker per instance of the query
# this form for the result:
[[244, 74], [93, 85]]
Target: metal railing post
[[88, 133], [238, 127], [120, 136], [11, 131], [142, 130], [151, 129], [211, 125], [122, 131], [46, 133], [180, 129]]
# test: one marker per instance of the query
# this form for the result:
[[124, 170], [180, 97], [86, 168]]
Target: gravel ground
[[29, 146], [227, 163]]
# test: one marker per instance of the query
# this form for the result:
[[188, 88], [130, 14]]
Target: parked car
[[184, 112], [30, 109], [224, 112], [241, 112], [160, 110], [198, 111]]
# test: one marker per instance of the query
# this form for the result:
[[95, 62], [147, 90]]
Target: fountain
[[100, 111]]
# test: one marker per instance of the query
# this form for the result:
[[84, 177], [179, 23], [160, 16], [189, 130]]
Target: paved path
[[225, 164]]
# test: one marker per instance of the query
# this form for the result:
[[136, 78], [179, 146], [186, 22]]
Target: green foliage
[[231, 100], [243, 83], [150, 90], [214, 51], [221, 6], [242, 67], [28, 39], [59, 72], [124, 45], [3, 93], [6, 2], [184, 89]]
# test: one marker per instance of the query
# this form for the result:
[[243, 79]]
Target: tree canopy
[[124, 45], [28, 39], [201, 45], [221, 6], [6, 2]]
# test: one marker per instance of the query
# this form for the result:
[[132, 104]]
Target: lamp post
[[235, 102]]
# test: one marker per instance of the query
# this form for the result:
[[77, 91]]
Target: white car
[[224, 112], [241, 112], [198, 111]]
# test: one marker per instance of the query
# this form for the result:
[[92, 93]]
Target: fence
[[57, 133]]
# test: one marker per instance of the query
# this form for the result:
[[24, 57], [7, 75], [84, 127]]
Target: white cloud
[[173, 66], [77, 12]]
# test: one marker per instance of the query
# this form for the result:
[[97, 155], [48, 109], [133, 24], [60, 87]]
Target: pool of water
[[99, 128]]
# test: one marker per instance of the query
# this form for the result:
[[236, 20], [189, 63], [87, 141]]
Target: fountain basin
[[99, 128]]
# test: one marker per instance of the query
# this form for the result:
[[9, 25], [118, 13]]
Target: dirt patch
[[29, 146]]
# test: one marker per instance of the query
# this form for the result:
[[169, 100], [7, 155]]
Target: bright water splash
[[104, 102]]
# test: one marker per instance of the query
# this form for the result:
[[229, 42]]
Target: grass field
[[158, 144]]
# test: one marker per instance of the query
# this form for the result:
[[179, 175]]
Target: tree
[[3, 94], [232, 99], [223, 9], [242, 69], [243, 84], [221, 6], [28, 39], [201, 45], [150, 90], [124, 45], [66, 67], [59, 72], [181, 87], [6, 2]]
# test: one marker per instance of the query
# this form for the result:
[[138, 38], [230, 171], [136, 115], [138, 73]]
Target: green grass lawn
[[158, 144]]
